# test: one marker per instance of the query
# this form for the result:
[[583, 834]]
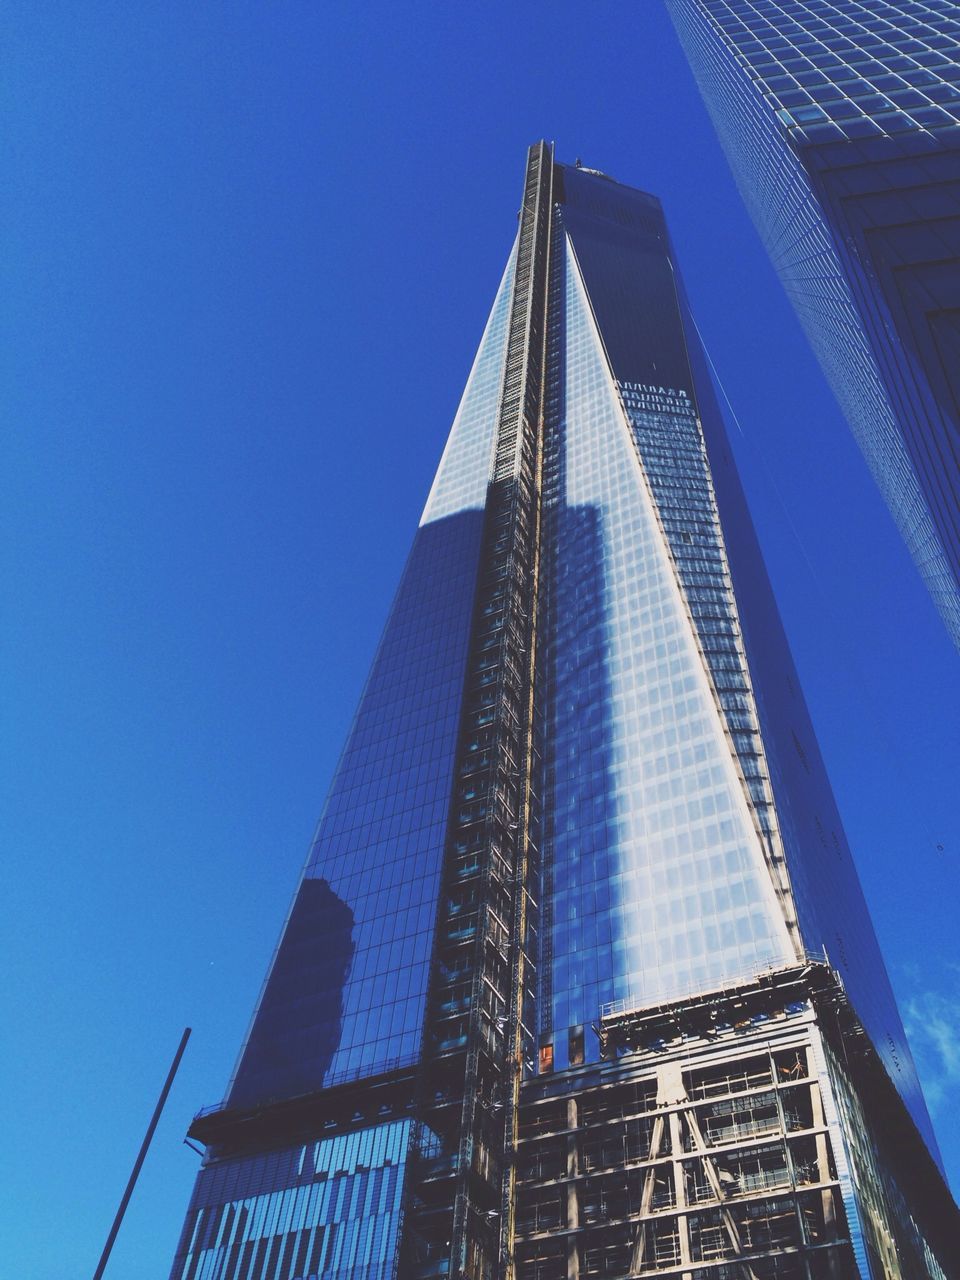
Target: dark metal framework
[[707, 1146], [459, 1212]]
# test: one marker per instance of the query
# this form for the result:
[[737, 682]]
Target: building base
[[745, 1134]]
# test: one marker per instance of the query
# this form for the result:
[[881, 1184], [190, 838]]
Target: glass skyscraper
[[579, 980], [841, 122]]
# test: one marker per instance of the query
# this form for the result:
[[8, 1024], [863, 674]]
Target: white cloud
[[932, 1021]]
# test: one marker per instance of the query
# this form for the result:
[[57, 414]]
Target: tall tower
[[579, 980], [841, 122]]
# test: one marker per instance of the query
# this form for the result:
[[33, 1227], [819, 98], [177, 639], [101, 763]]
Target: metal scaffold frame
[[700, 1149], [458, 1217]]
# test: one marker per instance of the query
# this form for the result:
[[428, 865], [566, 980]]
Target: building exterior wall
[[841, 122], [741, 1133], [329, 1207], [336, 1010]]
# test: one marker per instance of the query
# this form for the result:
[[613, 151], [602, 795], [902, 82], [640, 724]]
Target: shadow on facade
[[580, 805], [576, 972], [297, 1028]]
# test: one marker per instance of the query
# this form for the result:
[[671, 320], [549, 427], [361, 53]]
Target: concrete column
[[823, 1160], [676, 1166], [573, 1208]]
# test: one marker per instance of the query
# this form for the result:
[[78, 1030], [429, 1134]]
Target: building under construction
[[579, 980]]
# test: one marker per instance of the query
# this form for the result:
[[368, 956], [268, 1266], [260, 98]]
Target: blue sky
[[249, 251]]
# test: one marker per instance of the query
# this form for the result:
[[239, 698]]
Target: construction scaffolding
[[702, 1147], [459, 1204]]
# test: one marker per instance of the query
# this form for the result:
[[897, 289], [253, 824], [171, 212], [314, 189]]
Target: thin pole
[[105, 1256]]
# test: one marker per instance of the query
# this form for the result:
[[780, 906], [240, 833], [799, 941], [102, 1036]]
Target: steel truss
[[701, 1148]]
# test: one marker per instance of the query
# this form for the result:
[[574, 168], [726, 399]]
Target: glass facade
[[841, 121], [659, 882], [345, 994], [329, 1208], [667, 876], [581, 781], [832, 916]]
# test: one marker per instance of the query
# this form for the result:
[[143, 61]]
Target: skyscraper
[[841, 122], [579, 980]]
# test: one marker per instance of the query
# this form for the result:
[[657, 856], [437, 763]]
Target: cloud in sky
[[932, 1020]]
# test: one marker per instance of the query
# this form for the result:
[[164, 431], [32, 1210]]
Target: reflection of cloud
[[932, 1021]]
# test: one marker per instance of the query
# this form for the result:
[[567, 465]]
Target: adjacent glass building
[[841, 121], [579, 980]]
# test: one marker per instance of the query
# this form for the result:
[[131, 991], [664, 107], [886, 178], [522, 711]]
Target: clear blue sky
[[248, 254]]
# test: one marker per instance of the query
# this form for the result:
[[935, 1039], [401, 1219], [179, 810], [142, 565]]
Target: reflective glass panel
[[659, 884], [345, 994]]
